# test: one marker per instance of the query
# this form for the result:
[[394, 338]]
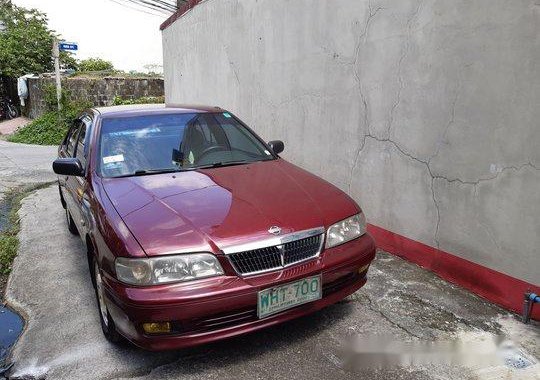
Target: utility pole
[[56, 56]]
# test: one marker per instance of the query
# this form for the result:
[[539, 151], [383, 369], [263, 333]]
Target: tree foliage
[[26, 42], [95, 64]]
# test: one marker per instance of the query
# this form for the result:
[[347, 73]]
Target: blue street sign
[[62, 45]]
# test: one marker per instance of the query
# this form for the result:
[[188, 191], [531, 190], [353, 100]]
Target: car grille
[[276, 257]]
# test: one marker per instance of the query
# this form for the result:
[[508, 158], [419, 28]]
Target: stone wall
[[99, 91], [425, 111]]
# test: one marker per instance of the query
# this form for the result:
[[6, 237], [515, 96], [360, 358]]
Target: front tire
[[107, 324]]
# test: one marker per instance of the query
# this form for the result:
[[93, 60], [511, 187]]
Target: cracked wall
[[426, 112]]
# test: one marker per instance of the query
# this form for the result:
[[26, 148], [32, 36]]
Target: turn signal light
[[157, 327], [363, 269]]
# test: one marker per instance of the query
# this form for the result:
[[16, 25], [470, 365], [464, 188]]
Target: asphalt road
[[51, 287]]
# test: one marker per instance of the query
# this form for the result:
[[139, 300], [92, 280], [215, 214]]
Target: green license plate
[[279, 298]]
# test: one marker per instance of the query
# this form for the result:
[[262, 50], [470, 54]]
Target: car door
[[68, 150], [78, 186]]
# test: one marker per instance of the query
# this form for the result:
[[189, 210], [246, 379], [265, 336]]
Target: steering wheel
[[210, 149]]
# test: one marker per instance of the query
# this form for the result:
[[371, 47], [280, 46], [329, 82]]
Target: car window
[[69, 137], [130, 145], [239, 139], [80, 152], [72, 138]]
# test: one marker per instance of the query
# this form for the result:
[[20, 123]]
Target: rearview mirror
[[68, 166], [277, 146]]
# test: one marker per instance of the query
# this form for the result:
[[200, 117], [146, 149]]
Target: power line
[[172, 6], [161, 6], [137, 9], [152, 4]]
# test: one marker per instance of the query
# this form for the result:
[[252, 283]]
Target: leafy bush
[[118, 100], [94, 64], [51, 127], [48, 129]]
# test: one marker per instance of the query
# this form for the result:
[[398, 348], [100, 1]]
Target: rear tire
[[12, 112], [107, 324], [71, 224]]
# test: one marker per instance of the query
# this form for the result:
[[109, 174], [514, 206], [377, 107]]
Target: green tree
[[68, 61], [95, 64], [26, 42]]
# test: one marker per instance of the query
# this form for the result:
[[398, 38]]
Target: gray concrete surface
[[425, 111], [51, 286], [23, 164]]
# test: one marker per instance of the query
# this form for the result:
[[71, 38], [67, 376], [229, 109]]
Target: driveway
[[51, 285], [22, 164], [7, 127]]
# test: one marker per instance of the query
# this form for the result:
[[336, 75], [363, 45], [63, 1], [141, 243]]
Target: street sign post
[[56, 56], [57, 47]]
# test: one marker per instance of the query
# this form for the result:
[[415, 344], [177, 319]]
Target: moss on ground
[[9, 241]]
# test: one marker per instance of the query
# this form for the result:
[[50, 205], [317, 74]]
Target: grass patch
[[48, 129], [118, 100], [8, 250], [10, 227], [51, 127]]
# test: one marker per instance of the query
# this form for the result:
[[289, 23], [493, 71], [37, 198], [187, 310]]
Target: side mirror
[[277, 146], [68, 166]]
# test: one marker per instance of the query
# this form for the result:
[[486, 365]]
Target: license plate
[[283, 297]]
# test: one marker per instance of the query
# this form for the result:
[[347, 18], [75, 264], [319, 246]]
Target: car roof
[[133, 109]]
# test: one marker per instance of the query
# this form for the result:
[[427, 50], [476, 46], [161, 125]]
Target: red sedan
[[196, 230]]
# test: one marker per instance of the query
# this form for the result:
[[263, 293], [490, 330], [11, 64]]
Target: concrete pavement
[[51, 286], [23, 164]]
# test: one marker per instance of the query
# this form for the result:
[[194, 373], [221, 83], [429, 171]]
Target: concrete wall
[[98, 91], [426, 112]]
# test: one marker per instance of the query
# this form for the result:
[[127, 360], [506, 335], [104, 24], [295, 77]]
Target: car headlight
[[167, 269], [346, 230]]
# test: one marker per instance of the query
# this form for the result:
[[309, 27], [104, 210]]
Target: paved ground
[[22, 164], [50, 283], [7, 127]]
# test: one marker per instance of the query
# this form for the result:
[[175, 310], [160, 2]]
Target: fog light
[[363, 269], [157, 327]]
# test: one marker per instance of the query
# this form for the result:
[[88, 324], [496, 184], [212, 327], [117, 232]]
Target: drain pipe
[[528, 301]]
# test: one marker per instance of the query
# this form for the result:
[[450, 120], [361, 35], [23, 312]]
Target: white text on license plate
[[279, 298]]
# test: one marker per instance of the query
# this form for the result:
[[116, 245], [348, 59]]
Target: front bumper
[[221, 307]]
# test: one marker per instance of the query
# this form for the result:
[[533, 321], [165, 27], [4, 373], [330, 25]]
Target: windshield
[[139, 145]]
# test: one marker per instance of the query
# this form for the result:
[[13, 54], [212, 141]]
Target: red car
[[196, 230]]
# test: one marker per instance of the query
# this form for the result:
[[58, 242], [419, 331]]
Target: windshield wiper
[[222, 163], [156, 171], [149, 171], [142, 172]]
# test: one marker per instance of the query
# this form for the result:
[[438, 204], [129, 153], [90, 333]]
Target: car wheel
[[62, 201], [12, 112], [107, 323], [71, 224]]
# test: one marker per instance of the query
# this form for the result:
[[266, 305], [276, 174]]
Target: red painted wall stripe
[[176, 15], [496, 287]]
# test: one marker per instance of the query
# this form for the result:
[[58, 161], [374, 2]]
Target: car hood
[[211, 209]]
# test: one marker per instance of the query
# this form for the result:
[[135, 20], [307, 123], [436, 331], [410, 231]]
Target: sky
[[130, 39]]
